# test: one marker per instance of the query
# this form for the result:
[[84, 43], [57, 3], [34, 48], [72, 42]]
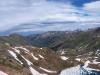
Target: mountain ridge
[[25, 55]]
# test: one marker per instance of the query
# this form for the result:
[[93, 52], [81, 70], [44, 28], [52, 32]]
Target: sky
[[48, 15]]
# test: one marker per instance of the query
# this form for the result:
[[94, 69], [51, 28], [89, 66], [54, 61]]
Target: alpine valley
[[51, 53]]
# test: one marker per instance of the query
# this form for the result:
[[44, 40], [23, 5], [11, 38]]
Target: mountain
[[51, 53], [46, 39], [68, 39], [14, 39], [18, 57]]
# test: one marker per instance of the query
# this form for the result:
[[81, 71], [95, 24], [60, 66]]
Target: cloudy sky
[[48, 15]]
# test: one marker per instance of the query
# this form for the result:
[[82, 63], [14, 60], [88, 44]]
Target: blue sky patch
[[77, 3]]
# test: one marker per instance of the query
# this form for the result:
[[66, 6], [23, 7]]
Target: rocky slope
[[30, 60]]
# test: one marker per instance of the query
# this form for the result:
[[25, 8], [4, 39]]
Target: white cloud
[[16, 12], [12, 14], [93, 7]]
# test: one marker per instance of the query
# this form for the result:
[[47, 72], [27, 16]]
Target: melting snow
[[86, 64], [28, 62], [71, 71], [26, 50], [41, 48], [2, 73], [63, 52], [14, 55], [49, 71], [95, 62], [95, 57], [41, 56], [78, 70], [87, 68], [16, 50], [35, 58], [32, 70], [64, 58], [78, 59]]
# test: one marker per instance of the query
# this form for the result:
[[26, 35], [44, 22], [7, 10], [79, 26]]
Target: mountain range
[[49, 53]]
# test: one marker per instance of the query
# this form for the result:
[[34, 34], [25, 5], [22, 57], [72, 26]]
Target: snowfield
[[34, 72], [2, 73], [16, 50], [34, 57], [64, 58], [26, 50], [96, 62], [14, 55], [78, 59], [41, 56], [71, 71], [49, 71], [79, 70]]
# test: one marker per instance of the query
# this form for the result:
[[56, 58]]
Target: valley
[[49, 37], [51, 53]]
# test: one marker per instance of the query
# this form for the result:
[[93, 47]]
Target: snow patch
[[16, 50], [34, 72], [2, 73], [41, 48], [78, 59], [95, 62], [64, 58], [96, 57], [41, 56], [78, 70], [35, 58], [86, 64], [14, 55], [49, 71], [89, 70], [71, 71], [26, 50], [63, 52], [28, 62]]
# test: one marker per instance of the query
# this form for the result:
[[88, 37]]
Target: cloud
[[93, 7], [28, 15], [13, 13]]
